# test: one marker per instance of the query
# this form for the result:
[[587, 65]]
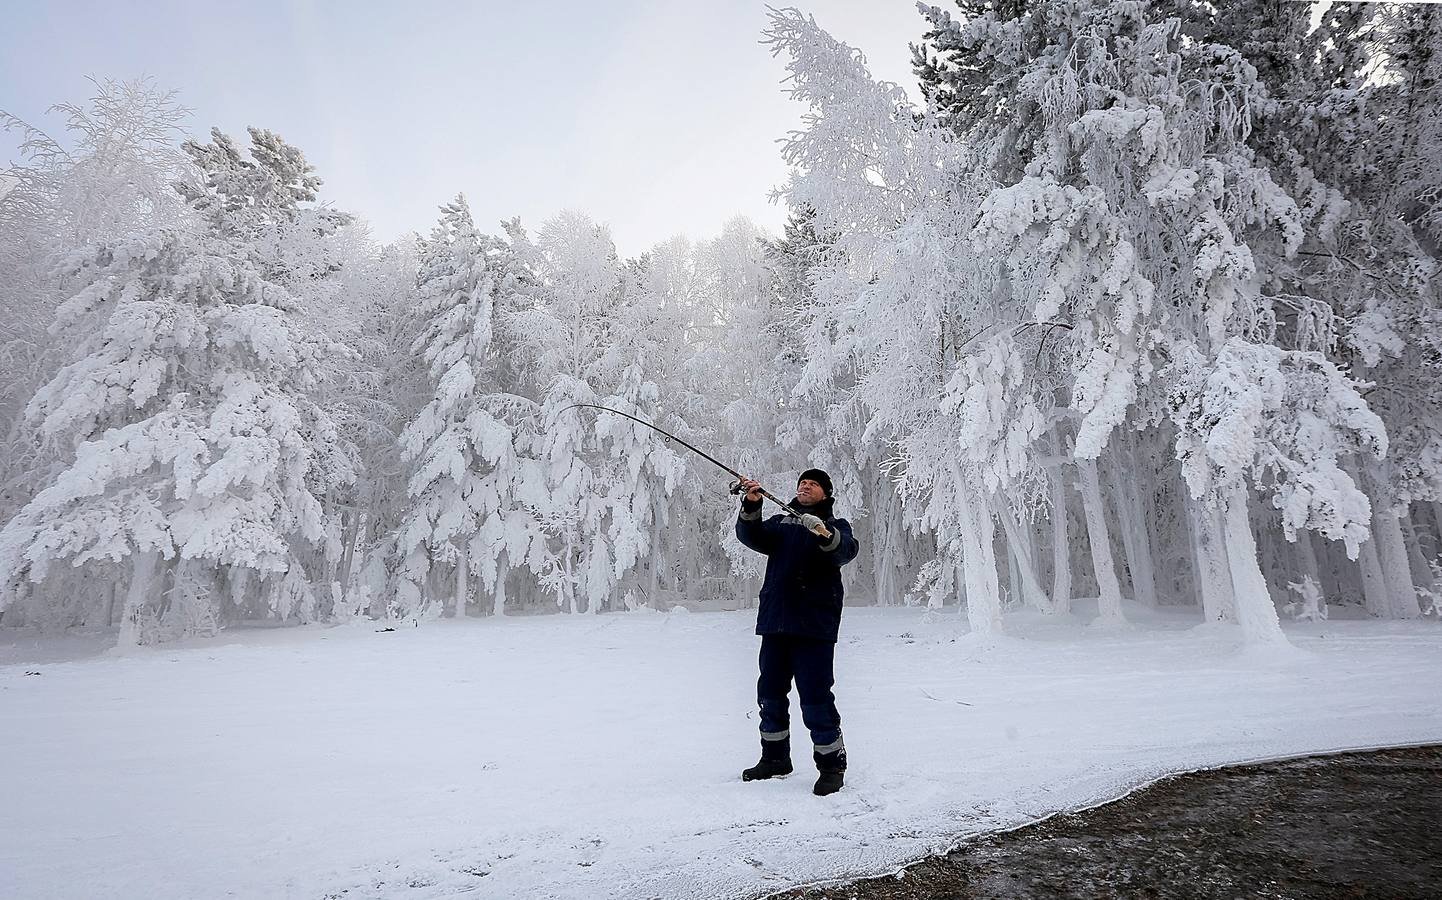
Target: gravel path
[[1355, 825]]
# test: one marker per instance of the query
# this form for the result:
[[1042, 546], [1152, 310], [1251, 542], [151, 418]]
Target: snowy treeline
[[1142, 300], [227, 402]]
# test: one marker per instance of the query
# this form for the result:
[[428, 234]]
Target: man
[[798, 620]]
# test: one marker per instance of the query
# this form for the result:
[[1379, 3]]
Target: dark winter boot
[[832, 767], [775, 761]]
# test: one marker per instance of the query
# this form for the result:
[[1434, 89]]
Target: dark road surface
[[1356, 825]]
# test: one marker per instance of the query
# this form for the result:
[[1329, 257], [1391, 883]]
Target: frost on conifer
[[187, 409], [106, 178], [475, 494], [606, 476]]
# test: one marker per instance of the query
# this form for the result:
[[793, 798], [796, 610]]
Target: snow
[[587, 757]]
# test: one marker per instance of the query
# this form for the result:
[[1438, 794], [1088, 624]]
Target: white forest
[[1119, 333], [1132, 304]]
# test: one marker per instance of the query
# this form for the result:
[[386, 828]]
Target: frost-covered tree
[[193, 438], [601, 474], [476, 497], [668, 344], [889, 306], [716, 296], [107, 177], [819, 420], [373, 396]]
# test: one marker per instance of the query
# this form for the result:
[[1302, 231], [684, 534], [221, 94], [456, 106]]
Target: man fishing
[[799, 616], [798, 620]]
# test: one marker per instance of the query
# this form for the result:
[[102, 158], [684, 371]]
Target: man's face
[[809, 492]]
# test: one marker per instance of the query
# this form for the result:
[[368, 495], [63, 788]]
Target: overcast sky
[[657, 118]]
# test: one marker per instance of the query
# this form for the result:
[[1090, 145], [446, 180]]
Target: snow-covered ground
[[597, 757]]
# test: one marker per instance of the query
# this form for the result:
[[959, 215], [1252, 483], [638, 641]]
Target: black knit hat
[[817, 476]]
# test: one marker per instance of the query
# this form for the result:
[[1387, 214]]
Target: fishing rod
[[821, 530]]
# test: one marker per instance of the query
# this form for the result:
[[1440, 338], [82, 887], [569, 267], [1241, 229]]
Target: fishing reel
[[737, 488]]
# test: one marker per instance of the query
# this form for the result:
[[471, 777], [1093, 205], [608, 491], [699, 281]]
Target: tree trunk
[[887, 541], [1392, 553], [1336, 578], [1437, 529], [1374, 583], [1255, 611], [983, 601], [990, 574], [463, 586], [1134, 534], [349, 533], [1021, 553], [110, 604], [1109, 603], [1307, 564], [1146, 568], [142, 586], [1273, 558], [568, 584], [653, 583], [586, 561], [1421, 572], [528, 588], [498, 596], [885, 581], [1061, 546], [936, 597], [1214, 578], [1014, 593]]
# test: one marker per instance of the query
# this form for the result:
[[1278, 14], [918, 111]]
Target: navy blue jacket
[[802, 592]]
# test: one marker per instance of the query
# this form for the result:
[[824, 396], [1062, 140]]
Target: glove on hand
[[812, 524]]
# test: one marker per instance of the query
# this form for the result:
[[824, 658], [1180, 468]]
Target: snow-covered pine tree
[[596, 470], [898, 304], [373, 398], [476, 495], [896, 543], [186, 408], [643, 474], [107, 177], [674, 376], [732, 398]]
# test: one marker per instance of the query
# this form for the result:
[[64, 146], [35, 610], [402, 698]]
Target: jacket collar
[[822, 510]]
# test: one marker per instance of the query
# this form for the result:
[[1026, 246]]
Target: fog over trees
[[1129, 303]]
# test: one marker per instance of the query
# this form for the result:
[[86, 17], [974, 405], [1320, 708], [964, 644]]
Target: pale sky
[[657, 118]]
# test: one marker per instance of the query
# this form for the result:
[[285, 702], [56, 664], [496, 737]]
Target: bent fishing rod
[[821, 530]]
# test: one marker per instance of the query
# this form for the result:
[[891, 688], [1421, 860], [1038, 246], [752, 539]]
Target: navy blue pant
[[785, 657]]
